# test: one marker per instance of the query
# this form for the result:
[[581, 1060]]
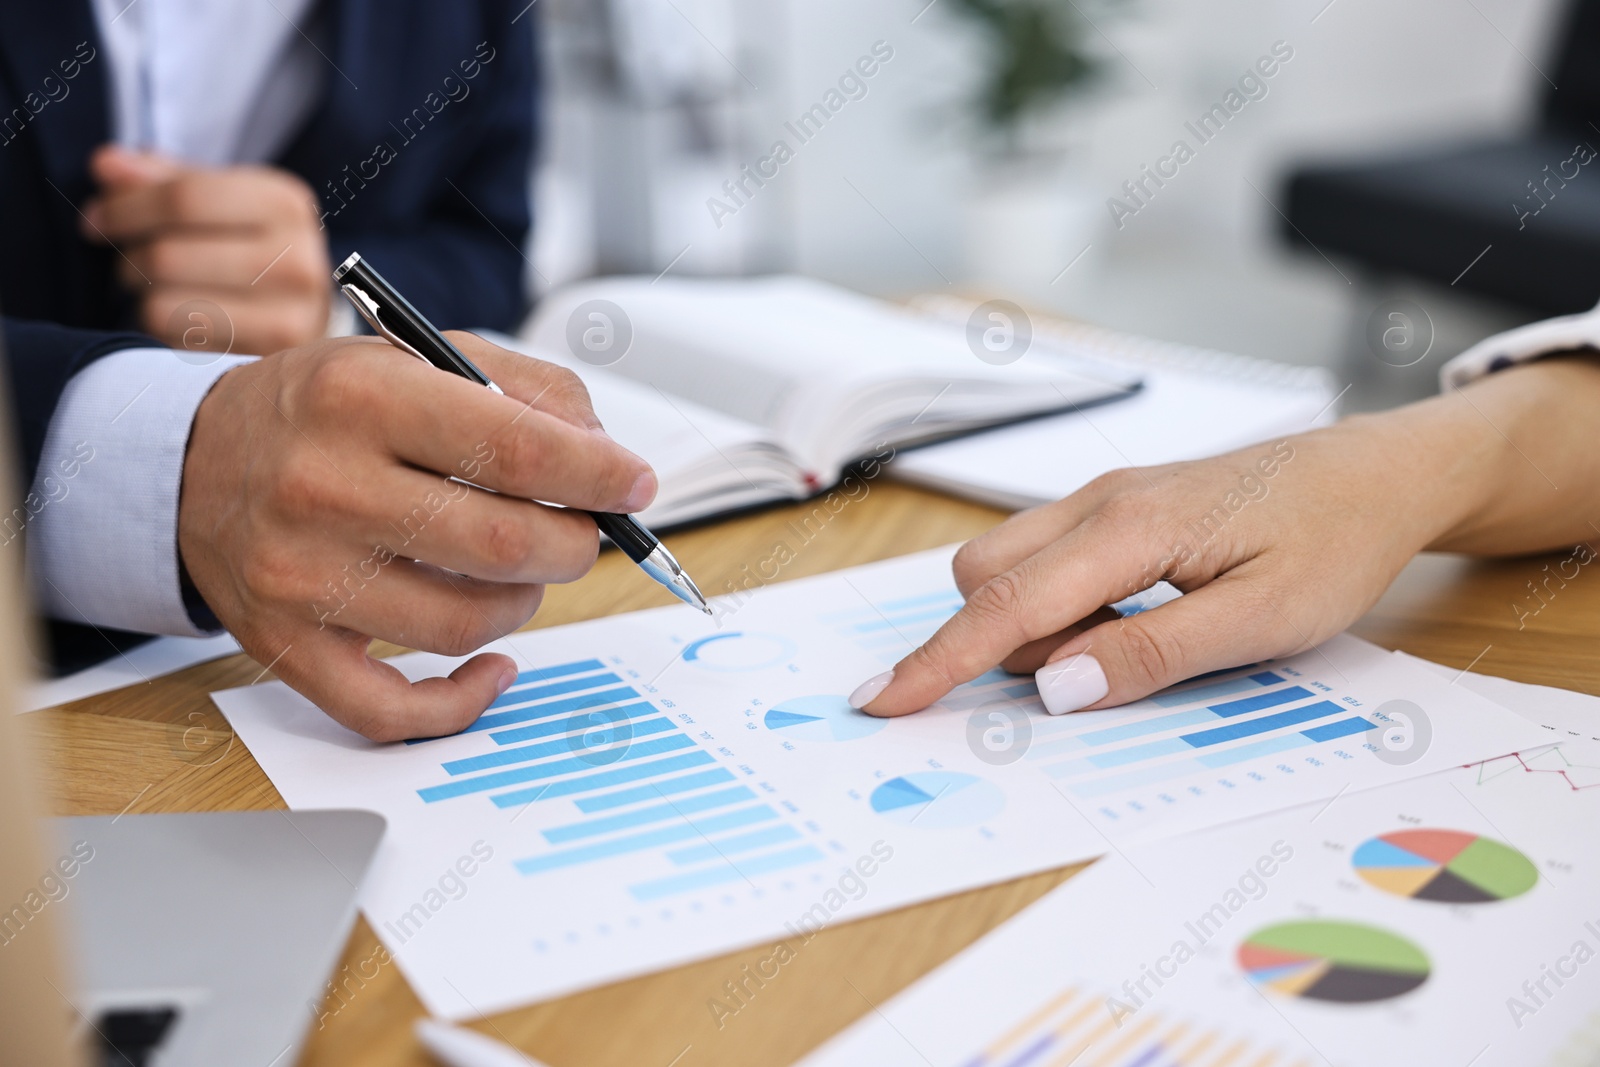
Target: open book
[[753, 390]]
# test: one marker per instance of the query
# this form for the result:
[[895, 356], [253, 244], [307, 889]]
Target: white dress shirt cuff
[[102, 517], [1522, 345]]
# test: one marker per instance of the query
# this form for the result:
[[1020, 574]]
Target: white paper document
[[1564, 768], [1178, 415], [1194, 403], [1566, 715], [662, 786], [1452, 919], [144, 663]]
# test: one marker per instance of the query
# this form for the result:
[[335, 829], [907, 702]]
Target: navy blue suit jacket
[[419, 166]]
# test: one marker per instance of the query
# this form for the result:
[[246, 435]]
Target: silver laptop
[[209, 938]]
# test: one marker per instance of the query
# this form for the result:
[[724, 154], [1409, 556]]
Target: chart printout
[[660, 786], [1451, 919]]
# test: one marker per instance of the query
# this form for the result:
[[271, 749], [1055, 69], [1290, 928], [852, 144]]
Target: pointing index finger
[[1040, 596]]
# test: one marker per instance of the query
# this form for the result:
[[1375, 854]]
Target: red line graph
[[1543, 755]]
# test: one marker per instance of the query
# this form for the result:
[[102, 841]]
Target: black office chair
[[1534, 199]]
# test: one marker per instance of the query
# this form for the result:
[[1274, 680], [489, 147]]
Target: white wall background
[[885, 197], [1367, 75]]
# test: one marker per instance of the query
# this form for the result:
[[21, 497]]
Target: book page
[[706, 461], [830, 373]]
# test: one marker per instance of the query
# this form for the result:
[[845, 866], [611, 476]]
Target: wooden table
[[164, 747]]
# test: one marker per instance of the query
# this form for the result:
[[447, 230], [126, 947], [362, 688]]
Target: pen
[[456, 1046], [392, 317]]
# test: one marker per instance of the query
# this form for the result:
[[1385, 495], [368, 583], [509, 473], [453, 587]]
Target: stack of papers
[[660, 787], [1448, 919]]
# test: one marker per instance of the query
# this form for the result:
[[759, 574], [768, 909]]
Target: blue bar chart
[[574, 735], [1196, 730], [991, 686], [891, 628]]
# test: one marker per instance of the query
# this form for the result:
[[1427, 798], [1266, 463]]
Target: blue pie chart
[[821, 718], [938, 800]]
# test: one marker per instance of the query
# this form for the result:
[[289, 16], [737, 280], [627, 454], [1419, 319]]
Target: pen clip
[[368, 309]]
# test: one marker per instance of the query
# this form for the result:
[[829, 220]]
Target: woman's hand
[[1277, 546]]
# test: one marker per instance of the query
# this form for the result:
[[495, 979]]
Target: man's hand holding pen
[[317, 513]]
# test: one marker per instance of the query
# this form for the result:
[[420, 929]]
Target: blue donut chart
[[737, 652]]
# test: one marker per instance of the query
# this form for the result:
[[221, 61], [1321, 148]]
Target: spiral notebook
[[1195, 402]]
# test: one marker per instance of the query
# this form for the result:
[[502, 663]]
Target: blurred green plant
[[1036, 59]]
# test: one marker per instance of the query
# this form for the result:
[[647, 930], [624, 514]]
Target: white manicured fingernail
[[868, 690], [1070, 684]]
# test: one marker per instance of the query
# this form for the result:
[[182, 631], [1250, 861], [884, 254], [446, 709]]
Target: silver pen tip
[[695, 598], [664, 568]]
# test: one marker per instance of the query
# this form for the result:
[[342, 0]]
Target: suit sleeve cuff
[[1522, 345], [102, 517]]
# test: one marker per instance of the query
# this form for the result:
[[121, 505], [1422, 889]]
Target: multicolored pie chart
[[1447, 866], [1341, 962]]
